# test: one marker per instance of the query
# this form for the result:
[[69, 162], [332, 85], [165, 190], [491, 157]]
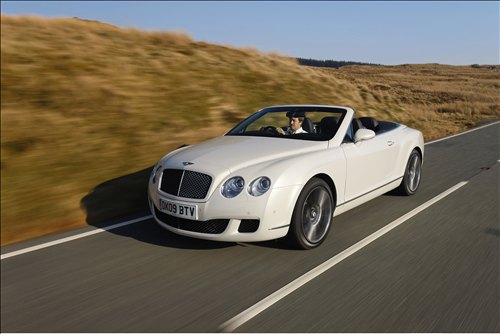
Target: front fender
[[298, 170]]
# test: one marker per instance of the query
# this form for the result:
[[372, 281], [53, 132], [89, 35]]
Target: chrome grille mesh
[[185, 183]]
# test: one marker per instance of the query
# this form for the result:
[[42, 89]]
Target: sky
[[385, 32]]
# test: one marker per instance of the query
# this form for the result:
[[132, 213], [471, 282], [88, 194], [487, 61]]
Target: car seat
[[307, 125], [327, 126]]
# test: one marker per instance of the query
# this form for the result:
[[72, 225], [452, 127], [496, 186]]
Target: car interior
[[317, 125]]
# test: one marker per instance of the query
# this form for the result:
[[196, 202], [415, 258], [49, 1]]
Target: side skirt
[[346, 206]]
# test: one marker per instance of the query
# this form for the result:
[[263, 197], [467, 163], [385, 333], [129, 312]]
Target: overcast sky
[[448, 32]]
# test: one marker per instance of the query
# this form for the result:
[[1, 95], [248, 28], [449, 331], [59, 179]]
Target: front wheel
[[413, 173], [312, 215]]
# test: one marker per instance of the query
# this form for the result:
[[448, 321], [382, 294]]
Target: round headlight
[[155, 174], [233, 187], [259, 186]]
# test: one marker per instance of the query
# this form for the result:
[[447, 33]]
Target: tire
[[413, 173], [312, 215]]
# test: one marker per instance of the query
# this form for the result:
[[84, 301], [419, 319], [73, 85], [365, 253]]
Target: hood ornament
[[187, 163]]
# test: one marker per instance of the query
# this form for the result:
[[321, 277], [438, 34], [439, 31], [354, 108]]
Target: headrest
[[327, 126], [291, 114], [308, 125], [328, 122]]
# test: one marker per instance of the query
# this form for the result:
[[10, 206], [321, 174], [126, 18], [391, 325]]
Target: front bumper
[[241, 219]]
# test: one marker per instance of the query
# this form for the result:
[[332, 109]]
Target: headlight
[[259, 186], [155, 174], [233, 187]]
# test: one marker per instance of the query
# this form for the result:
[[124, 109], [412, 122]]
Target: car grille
[[185, 183], [214, 226]]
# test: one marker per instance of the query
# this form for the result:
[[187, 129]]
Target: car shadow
[[393, 193], [125, 198]]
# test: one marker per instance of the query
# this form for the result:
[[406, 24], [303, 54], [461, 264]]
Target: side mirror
[[363, 134]]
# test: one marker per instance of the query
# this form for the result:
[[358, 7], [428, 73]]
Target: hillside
[[87, 108], [440, 100]]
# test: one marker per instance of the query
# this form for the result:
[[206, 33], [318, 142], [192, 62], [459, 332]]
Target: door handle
[[390, 143]]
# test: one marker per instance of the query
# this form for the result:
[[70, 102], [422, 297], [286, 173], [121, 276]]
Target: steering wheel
[[269, 128]]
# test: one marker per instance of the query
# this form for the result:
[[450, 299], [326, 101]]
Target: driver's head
[[296, 122], [296, 119]]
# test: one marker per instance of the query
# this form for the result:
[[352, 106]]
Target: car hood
[[234, 152]]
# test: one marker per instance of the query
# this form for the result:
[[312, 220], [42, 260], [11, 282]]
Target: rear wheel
[[413, 173], [312, 215]]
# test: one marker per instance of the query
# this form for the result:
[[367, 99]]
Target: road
[[438, 271]]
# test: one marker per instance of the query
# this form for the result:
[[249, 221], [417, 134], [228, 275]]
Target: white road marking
[[254, 310], [461, 133], [73, 237]]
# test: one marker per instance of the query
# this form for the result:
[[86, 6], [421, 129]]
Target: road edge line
[[265, 303], [73, 237]]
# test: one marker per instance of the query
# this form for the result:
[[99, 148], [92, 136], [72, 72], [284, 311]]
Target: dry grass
[[87, 107], [438, 99]]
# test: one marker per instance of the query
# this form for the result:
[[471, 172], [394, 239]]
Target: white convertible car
[[260, 182]]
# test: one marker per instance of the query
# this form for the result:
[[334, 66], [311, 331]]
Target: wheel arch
[[420, 152], [330, 183]]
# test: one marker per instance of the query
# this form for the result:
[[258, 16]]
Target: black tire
[[312, 215], [413, 174]]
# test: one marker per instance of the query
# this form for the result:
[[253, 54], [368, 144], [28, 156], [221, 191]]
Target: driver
[[295, 120]]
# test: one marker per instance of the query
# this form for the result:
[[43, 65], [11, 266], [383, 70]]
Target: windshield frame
[[240, 128]]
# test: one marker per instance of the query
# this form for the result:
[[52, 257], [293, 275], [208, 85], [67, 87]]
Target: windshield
[[293, 122]]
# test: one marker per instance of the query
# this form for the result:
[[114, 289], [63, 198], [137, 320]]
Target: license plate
[[178, 209]]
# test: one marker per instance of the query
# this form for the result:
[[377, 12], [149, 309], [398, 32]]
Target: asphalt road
[[436, 272]]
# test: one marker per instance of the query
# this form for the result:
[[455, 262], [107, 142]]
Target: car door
[[369, 163]]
